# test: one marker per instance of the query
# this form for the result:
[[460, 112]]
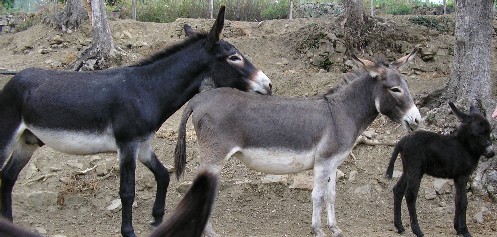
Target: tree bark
[[470, 81], [470, 76], [352, 23], [102, 47], [69, 19], [211, 8], [133, 9], [290, 10]]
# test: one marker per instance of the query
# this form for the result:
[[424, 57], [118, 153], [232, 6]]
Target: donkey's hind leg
[[149, 159], [24, 149], [330, 204], [321, 174], [398, 194]]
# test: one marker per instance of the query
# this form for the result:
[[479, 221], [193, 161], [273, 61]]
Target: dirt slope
[[51, 198]]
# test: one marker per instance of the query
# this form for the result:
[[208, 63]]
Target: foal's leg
[[461, 202], [22, 153], [398, 194], [413, 183], [149, 159], [128, 153]]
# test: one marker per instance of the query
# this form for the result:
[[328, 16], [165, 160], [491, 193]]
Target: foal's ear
[[372, 68], [215, 33], [189, 31], [399, 63], [460, 115], [473, 110]]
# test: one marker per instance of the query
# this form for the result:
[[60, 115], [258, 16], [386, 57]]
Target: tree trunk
[[352, 23], [445, 7], [372, 8], [102, 47], [290, 10], [470, 81], [69, 19], [211, 8], [470, 76], [133, 9]]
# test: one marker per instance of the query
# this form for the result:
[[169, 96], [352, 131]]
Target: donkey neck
[[176, 78], [352, 107]]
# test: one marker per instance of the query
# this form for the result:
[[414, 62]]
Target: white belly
[[275, 161], [78, 143]]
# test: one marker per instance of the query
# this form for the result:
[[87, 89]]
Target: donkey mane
[[347, 78], [171, 50]]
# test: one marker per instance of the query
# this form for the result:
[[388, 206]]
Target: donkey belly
[[76, 142], [275, 161]]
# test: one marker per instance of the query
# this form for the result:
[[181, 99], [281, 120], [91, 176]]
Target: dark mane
[[171, 50], [347, 78]]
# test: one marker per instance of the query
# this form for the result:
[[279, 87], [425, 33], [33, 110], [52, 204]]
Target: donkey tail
[[395, 153], [180, 150], [191, 214]]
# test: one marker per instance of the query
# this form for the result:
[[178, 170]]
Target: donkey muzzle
[[489, 152]]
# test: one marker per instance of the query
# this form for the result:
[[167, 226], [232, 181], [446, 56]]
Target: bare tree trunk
[[102, 47], [352, 23], [290, 10], [372, 8], [69, 19], [133, 6], [211, 8], [445, 7], [470, 81]]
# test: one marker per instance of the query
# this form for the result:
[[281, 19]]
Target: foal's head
[[474, 130], [390, 93], [230, 68]]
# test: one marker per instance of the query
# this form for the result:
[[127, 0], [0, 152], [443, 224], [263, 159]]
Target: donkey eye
[[235, 58], [395, 89]]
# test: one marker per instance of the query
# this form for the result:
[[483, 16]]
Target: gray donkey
[[281, 135]]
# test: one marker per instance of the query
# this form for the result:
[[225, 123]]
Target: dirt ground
[[65, 195]]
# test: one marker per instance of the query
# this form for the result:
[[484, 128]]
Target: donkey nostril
[[416, 121], [270, 86]]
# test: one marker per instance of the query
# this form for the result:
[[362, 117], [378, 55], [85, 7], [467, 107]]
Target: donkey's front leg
[[330, 203], [127, 166], [321, 175]]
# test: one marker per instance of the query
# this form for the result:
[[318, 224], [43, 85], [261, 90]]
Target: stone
[[283, 179], [302, 181], [430, 194], [352, 175], [114, 204]]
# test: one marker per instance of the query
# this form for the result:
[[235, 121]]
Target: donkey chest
[[275, 161]]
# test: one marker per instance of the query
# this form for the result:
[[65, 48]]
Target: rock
[[114, 204], [283, 179], [57, 39], [183, 187], [478, 217], [340, 174], [352, 175], [65, 180], [75, 164], [441, 186], [369, 134], [363, 190], [430, 194], [396, 174], [302, 181], [40, 230], [94, 159], [102, 169]]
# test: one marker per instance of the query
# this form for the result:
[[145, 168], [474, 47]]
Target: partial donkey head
[[391, 94], [474, 130]]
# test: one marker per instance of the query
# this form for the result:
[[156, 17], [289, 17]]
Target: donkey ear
[[189, 31], [397, 64], [215, 33], [460, 115], [473, 110], [372, 68]]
